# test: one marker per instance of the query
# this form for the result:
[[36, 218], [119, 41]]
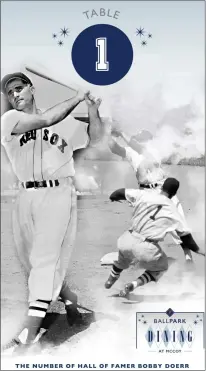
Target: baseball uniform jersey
[[43, 154], [154, 215], [148, 170]]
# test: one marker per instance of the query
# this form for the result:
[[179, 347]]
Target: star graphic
[[60, 43], [149, 35], [142, 315], [54, 35], [144, 43], [140, 31], [197, 315], [139, 320], [145, 322], [64, 31], [195, 322]]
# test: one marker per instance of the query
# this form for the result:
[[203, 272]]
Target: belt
[[139, 235], [152, 185], [40, 184]]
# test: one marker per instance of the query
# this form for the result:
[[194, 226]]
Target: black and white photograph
[[102, 185]]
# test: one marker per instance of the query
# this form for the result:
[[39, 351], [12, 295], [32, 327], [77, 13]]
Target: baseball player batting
[[147, 168], [40, 148], [154, 216]]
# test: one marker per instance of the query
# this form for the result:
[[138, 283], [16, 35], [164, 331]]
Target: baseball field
[[109, 319]]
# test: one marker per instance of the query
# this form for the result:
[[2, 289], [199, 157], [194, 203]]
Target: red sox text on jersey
[[53, 138]]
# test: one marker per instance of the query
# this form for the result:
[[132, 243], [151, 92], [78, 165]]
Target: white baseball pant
[[134, 249], [44, 225]]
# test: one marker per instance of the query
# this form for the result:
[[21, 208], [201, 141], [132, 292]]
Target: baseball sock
[[146, 277], [115, 272], [32, 330]]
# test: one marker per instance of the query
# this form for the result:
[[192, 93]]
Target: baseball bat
[[46, 76]]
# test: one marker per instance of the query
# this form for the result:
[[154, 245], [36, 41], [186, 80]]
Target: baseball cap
[[171, 186], [143, 136], [13, 76]]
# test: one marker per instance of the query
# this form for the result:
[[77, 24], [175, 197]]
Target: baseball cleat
[[110, 282], [129, 287], [74, 317]]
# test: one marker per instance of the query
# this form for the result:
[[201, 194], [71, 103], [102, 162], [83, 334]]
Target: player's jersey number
[[156, 212], [102, 64]]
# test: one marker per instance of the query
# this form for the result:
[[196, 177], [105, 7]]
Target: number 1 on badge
[[102, 64]]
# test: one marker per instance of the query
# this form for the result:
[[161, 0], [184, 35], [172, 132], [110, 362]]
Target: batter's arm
[[95, 128], [48, 118], [118, 195]]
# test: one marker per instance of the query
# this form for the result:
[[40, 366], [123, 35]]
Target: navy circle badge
[[102, 54]]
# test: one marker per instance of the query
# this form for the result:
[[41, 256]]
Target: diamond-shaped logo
[[169, 312], [190, 336], [150, 336], [182, 336], [158, 338], [166, 336]]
